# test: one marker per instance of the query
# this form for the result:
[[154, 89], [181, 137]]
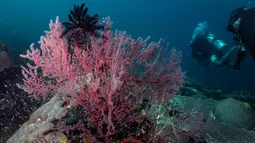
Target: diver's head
[[235, 18]]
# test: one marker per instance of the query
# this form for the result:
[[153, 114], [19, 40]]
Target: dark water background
[[23, 21]]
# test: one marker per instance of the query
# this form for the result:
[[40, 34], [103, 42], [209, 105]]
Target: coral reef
[[113, 88], [183, 105]]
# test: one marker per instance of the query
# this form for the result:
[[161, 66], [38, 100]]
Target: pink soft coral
[[104, 76]]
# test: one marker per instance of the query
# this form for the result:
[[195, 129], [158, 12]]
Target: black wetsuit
[[246, 33]]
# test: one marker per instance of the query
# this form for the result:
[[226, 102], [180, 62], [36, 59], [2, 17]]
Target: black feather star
[[81, 24]]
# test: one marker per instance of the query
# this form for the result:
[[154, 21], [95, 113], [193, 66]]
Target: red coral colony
[[114, 78]]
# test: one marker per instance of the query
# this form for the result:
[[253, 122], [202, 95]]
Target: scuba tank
[[219, 47]]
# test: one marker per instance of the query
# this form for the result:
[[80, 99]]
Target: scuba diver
[[207, 49]]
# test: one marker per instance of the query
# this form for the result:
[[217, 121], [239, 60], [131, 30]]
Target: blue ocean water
[[22, 22]]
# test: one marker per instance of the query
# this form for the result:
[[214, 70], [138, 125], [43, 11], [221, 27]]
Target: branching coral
[[104, 79]]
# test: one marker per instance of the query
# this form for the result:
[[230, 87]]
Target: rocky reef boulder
[[5, 60], [235, 113]]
